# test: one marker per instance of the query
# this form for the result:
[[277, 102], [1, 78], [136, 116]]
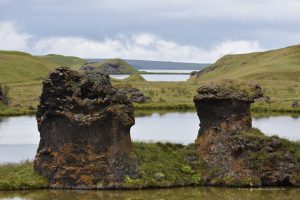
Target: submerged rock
[[237, 154], [84, 126]]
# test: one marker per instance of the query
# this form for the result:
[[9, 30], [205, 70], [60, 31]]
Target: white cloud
[[142, 46], [11, 38]]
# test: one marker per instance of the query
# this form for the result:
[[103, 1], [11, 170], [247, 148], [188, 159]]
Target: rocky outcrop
[[84, 126], [134, 94], [107, 68], [237, 154], [110, 66]]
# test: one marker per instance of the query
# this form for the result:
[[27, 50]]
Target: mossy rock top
[[229, 89]]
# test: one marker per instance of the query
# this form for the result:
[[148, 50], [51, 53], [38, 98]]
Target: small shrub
[[186, 169], [196, 179]]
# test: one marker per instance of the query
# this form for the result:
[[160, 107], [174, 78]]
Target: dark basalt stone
[[84, 126], [248, 161], [134, 94]]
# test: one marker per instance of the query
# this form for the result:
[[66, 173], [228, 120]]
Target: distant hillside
[[280, 64], [146, 64], [23, 67], [60, 60], [110, 66]]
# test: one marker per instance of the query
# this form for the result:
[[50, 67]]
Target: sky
[[166, 30]]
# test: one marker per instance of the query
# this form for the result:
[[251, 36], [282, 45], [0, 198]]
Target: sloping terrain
[[19, 67], [280, 64]]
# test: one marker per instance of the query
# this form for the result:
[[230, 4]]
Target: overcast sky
[[170, 30]]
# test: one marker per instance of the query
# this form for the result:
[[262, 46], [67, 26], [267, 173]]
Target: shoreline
[[160, 106]]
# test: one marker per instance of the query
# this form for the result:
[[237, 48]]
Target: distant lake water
[[177, 76], [19, 136], [119, 76], [167, 71]]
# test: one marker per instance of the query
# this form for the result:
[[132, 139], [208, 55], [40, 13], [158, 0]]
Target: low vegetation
[[166, 164], [20, 176]]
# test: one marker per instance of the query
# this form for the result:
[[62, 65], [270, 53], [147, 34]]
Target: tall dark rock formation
[[237, 154], [84, 126]]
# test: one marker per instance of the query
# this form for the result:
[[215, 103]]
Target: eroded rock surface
[[84, 126], [237, 154]]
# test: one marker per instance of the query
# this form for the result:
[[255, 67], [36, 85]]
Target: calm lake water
[[167, 70], [161, 77], [19, 136], [202, 193]]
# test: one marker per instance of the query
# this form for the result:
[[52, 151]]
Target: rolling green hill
[[281, 64], [20, 67], [112, 66]]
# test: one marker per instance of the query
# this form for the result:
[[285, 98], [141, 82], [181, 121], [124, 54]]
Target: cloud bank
[[143, 46]]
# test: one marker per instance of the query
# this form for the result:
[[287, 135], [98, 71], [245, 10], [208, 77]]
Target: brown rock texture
[[236, 156], [84, 126]]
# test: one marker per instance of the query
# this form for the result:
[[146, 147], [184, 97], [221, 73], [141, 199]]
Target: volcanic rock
[[237, 154], [84, 126], [134, 94]]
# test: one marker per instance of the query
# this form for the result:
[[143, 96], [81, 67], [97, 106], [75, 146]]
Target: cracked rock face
[[242, 161], [84, 126]]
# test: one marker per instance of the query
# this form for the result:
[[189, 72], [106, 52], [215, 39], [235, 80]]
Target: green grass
[[280, 64], [60, 60], [135, 77], [20, 177], [20, 67], [166, 164]]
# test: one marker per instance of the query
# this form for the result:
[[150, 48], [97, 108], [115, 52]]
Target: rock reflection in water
[[211, 193]]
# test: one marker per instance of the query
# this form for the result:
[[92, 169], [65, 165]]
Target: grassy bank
[[20, 176]]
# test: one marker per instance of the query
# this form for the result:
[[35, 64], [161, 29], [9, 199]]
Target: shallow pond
[[205, 193], [19, 136]]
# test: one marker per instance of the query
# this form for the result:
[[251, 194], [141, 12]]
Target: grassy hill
[[20, 67], [113, 66], [60, 60], [281, 64]]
